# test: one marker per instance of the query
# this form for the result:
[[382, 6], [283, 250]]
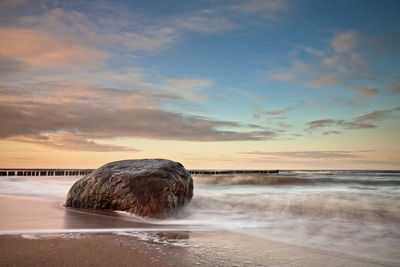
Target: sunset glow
[[224, 85]]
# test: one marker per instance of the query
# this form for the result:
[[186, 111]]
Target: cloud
[[227, 15], [283, 76], [307, 154], [110, 27], [276, 117], [367, 121], [190, 82], [277, 112], [312, 51], [396, 86], [38, 49], [205, 21], [332, 132], [53, 113], [189, 89], [10, 66], [326, 80], [103, 28], [366, 91], [345, 41], [70, 141], [322, 123], [248, 94], [349, 58], [261, 8], [351, 66], [298, 72]]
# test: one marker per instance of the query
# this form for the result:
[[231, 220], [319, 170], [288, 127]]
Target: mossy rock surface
[[154, 188]]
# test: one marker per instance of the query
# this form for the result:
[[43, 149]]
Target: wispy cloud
[[109, 27], [258, 111], [349, 60], [110, 30], [227, 15], [189, 89], [332, 132], [37, 49], [190, 82], [312, 51], [345, 41], [248, 94], [204, 21], [260, 8], [326, 80], [283, 76], [366, 91], [276, 112], [70, 141], [369, 120], [54, 112], [323, 123]]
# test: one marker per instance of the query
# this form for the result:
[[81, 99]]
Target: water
[[347, 212], [350, 212]]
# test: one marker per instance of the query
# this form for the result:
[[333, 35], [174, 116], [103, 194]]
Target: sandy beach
[[199, 248], [61, 237]]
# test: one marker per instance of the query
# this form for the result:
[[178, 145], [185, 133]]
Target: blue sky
[[213, 84]]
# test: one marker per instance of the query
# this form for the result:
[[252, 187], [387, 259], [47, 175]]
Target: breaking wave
[[288, 179], [312, 206]]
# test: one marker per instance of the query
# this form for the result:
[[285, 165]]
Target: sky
[[225, 84]]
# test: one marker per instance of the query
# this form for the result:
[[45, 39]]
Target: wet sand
[[19, 213], [37, 232], [203, 249]]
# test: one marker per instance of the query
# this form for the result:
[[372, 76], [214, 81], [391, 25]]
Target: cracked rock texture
[[154, 188]]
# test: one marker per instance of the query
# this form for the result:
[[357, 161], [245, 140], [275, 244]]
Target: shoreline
[[217, 248], [37, 231]]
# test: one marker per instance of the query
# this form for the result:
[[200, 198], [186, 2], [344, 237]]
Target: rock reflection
[[83, 219]]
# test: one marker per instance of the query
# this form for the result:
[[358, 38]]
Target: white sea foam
[[32, 233], [177, 239], [37, 186], [30, 236], [53, 234]]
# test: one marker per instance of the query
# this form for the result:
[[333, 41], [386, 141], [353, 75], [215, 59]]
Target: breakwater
[[81, 172]]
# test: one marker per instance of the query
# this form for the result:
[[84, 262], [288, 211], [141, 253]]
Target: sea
[[348, 212]]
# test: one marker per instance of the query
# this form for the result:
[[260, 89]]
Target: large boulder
[[154, 188]]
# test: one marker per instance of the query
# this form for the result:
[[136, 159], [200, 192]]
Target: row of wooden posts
[[80, 172], [43, 172]]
